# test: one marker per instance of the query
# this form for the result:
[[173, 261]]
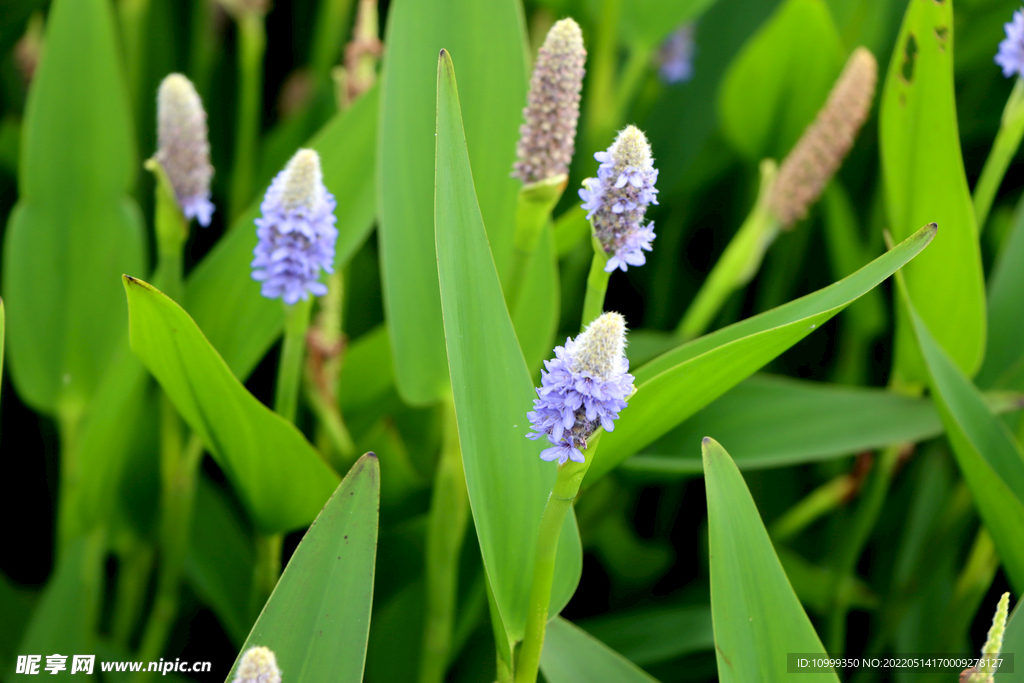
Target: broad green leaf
[[67, 610], [571, 655], [757, 616], [1013, 641], [654, 635], [772, 421], [677, 384], [488, 39], [780, 79], [645, 23], [221, 294], [536, 317], [1003, 366], [924, 181], [989, 457], [280, 478], [220, 561], [318, 617], [508, 483], [75, 229]]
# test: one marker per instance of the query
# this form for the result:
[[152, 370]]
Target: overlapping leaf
[[571, 655]]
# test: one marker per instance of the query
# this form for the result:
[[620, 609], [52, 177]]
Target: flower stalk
[[1004, 148], [252, 46]]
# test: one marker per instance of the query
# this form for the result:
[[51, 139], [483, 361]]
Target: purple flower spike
[[584, 387], [675, 58], [296, 232], [617, 199], [1011, 50], [182, 146]]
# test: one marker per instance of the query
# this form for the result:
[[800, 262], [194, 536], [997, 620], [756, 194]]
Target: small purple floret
[[1011, 50], [676, 56]]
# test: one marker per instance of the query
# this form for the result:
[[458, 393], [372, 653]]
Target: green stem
[[737, 265], [205, 43], [633, 72], [503, 646], [289, 370], [600, 119], [329, 36], [567, 485], [971, 586], [69, 421], [135, 563], [1011, 130], [266, 570], [446, 528], [534, 204], [597, 286], [252, 43], [824, 499]]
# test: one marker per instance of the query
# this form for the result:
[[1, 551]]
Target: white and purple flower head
[[617, 199], [183, 149], [675, 57], [258, 665], [584, 387], [296, 232], [1011, 50]]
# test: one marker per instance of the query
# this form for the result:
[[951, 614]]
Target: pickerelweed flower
[[296, 232], [1011, 50], [547, 139], [817, 155], [258, 665], [675, 57], [617, 199], [584, 387], [183, 149]]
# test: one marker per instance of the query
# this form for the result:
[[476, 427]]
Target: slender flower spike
[[675, 58], [994, 643], [183, 149], [1011, 50], [816, 157], [258, 665], [617, 199], [584, 387], [548, 138], [296, 232]]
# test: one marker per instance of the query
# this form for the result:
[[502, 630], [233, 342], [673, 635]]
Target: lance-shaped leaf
[[508, 483], [280, 478], [772, 421], [677, 384], [1003, 367], [318, 617], [75, 228], [488, 39], [757, 616], [1013, 641], [925, 181], [988, 455], [571, 655]]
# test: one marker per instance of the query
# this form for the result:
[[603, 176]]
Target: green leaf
[[772, 421], [1003, 366], [654, 635], [677, 384], [780, 79], [536, 317], [1013, 641], [571, 655], [318, 617], [508, 483], [648, 22], [220, 293], [17, 605], [75, 229], [925, 181], [488, 39], [989, 457], [757, 616], [280, 478]]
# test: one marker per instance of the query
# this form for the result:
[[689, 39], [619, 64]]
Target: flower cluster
[[585, 386], [258, 665], [548, 137], [296, 232], [183, 149], [675, 58], [1011, 50], [617, 199]]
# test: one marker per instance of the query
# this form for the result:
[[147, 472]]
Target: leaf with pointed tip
[[281, 479], [757, 616], [571, 655]]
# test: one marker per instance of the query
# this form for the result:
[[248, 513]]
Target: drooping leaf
[[757, 616], [776, 85], [220, 293], [989, 457], [571, 655], [488, 39], [771, 421], [281, 479], [924, 181], [75, 229], [318, 617], [508, 483], [677, 384]]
